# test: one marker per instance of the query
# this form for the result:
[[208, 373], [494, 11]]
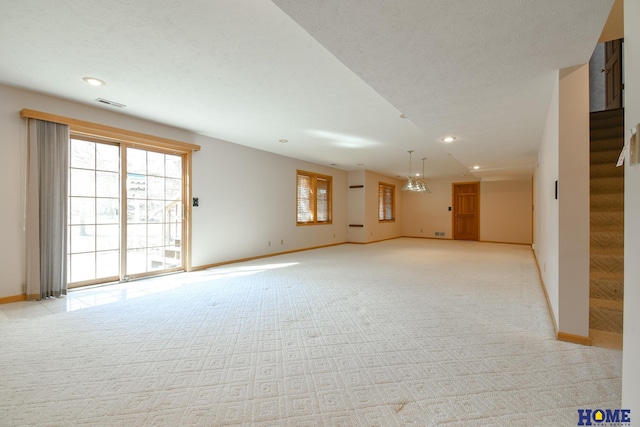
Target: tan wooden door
[[466, 211], [613, 78]]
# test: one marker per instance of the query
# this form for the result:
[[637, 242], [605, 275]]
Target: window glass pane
[[107, 184], [155, 260], [304, 199], [136, 211], [136, 186], [172, 256], [174, 189], [108, 157], [107, 237], [136, 236], [173, 166], [82, 154], [155, 189], [107, 211], [82, 211], [83, 267], [155, 235], [136, 161], [155, 163], [323, 200], [83, 238], [385, 202], [136, 261], [83, 183], [173, 226], [107, 264], [155, 212]]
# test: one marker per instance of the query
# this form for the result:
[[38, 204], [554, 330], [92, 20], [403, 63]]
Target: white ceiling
[[332, 77]]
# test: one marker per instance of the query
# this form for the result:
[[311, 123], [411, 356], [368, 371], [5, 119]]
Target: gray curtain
[[47, 209]]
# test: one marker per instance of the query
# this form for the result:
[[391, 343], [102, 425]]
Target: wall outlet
[[269, 243], [282, 241]]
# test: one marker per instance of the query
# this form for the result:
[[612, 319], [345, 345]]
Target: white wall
[[428, 213], [574, 209], [546, 224], [505, 210], [631, 340], [247, 196], [562, 226], [247, 204]]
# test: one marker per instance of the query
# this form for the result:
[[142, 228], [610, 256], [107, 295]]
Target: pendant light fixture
[[423, 182], [416, 185], [411, 182]]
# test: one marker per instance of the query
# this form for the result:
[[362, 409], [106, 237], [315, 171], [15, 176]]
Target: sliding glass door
[[107, 179], [94, 207], [154, 211]]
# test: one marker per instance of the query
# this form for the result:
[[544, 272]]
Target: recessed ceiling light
[[476, 167], [93, 81], [284, 141], [449, 139]]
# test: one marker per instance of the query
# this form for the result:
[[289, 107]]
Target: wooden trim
[[101, 281], [383, 240], [235, 261], [382, 186], [428, 237], [187, 168], [546, 295], [14, 298], [91, 129], [504, 243], [575, 339], [124, 223], [375, 241], [314, 177], [155, 273]]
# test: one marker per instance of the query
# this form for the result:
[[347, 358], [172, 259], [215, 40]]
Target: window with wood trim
[[313, 198], [386, 202], [127, 216]]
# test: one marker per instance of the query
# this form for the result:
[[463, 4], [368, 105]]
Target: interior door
[[466, 211], [613, 74]]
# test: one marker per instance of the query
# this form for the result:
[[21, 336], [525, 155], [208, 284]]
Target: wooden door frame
[[453, 207], [611, 74]]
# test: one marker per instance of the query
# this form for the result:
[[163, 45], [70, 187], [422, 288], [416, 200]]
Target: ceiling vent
[[112, 103]]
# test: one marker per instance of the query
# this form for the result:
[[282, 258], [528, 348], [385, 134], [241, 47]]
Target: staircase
[[607, 229]]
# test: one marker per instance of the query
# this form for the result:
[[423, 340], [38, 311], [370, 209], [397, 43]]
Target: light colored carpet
[[402, 332]]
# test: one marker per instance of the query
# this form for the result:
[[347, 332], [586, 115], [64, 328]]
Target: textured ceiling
[[331, 77]]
